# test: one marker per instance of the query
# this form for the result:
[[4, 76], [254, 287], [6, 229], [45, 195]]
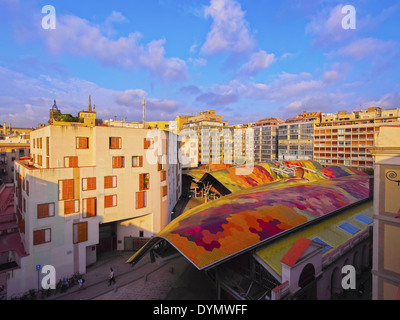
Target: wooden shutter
[[67, 189], [69, 207], [38, 237], [107, 182], [89, 183], [43, 210], [90, 207], [108, 201], [115, 143], [140, 200], [141, 182], [164, 191], [80, 232]]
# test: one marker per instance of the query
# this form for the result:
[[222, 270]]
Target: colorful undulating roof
[[244, 177], [196, 174], [214, 231], [331, 232], [334, 171]]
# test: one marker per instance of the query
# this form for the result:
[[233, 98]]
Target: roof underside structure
[[219, 230]]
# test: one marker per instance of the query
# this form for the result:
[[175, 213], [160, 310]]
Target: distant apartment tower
[[89, 190], [214, 139], [344, 138], [295, 137], [266, 139]]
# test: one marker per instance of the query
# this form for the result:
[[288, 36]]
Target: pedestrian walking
[[111, 277], [81, 282]]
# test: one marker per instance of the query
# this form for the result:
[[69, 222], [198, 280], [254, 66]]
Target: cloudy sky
[[247, 59]]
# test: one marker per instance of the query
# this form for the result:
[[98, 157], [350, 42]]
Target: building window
[[47, 146], [148, 143], [89, 184], [41, 236], [118, 162], [89, 207], [164, 191], [82, 143], [144, 181], [137, 161], [163, 175], [66, 189], [80, 232], [71, 206], [110, 201], [70, 162], [141, 200], [115, 143], [110, 182], [45, 210]]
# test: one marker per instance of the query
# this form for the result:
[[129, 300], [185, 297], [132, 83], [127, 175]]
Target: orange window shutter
[[82, 232], [141, 182], [43, 210], [91, 207], [107, 201], [91, 183], [107, 182], [67, 189], [139, 200], [141, 161], [69, 207]]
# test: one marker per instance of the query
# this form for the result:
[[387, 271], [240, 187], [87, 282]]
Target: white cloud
[[79, 37], [258, 61], [330, 76], [229, 30], [23, 95], [327, 26], [365, 47]]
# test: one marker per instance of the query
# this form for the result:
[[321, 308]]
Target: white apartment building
[[87, 190]]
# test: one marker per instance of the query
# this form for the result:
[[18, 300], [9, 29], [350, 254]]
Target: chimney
[[90, 104]]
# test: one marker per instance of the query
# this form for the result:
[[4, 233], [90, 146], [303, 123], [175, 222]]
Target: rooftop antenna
[[144, 112]]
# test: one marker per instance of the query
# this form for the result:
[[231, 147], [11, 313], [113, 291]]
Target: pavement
[[173, 280]]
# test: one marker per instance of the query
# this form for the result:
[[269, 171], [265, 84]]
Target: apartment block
[[14, 144], [266, 139], [87, 190], [344, 138], [295, 137], [210, 136]]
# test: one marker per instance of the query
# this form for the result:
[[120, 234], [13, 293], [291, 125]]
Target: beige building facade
[[386, 232], [345, 138], [87, 190]]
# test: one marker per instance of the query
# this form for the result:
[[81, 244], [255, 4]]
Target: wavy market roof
[[217, 230], [328, 232], [243, 177]]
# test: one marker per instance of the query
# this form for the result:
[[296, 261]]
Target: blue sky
[[247, 59]]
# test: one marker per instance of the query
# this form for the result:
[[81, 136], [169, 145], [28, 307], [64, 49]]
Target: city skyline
[[246, 60]]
